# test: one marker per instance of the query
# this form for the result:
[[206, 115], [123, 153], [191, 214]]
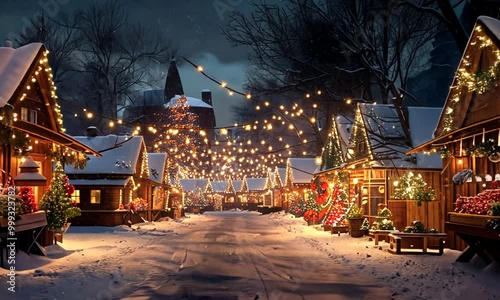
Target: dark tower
[[173, 84]]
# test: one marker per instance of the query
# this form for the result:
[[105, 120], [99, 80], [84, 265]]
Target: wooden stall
[[468, 138], [31, 121], [375, 159], [114, 189]]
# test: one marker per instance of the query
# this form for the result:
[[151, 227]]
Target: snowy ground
[[239, 255]]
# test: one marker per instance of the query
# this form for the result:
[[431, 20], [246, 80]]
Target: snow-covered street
[[238, 255]]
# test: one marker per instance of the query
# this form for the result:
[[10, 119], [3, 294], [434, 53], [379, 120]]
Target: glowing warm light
[[200, 68]]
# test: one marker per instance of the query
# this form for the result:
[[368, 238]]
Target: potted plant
[[355, 218]]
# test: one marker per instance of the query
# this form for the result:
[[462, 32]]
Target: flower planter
[[470, 219], [31, 221]]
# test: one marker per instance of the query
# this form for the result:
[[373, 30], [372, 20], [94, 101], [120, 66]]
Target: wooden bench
[[414, 243], [377, 234]]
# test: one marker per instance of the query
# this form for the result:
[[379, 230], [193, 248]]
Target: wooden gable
[[36, 93], [474, 92]]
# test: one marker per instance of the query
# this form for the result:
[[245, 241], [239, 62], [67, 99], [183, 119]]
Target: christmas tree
[[57, 201], [383, 220], [413, 187], [179, 136], [332, 154], [336, 215]]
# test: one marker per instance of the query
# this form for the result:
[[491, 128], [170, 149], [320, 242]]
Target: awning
[[456, 135], [61, 139]]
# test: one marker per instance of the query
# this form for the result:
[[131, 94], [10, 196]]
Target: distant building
[[149, 103]]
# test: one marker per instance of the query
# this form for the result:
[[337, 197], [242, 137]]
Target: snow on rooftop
[[302, 169], [344, 127], [193, 102], [120, 155], [97, 182], [156, 163], [256, 184], [237, 185], [386, 137], [492, 24], [219, 186], [14, 64], [423, 121], [191, 185]]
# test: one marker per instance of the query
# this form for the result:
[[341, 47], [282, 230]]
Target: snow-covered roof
[[156, 163], [120, 155], [97, 182], [344, 127], [190, 101], [492, 24], [302, 169], [256, 184], [386, 137], [282, 175], [14, 64], [190, 185], [237, 185], [219, 186], [422, 121]]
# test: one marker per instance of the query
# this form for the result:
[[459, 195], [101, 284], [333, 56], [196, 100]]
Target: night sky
[[193, 26]]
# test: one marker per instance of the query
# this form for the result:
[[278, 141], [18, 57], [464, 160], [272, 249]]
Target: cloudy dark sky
[[192, 25]]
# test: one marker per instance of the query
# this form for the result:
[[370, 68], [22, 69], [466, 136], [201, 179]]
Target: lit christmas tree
[[336, 215], [179, 136], [332, 154], [57, 201]]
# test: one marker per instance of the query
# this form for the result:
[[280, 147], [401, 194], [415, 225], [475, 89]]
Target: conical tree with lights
[[57, 201], [178, 133], [332, 153]]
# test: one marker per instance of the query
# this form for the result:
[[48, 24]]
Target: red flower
[[324, 185], [313, 186]]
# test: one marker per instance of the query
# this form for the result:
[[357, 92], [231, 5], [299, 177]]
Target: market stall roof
[[120, 155], [237, 185], [190, 185], [386, 138], [157, 162], [256, 184], [219, 186], [455, 121], [302, 169]]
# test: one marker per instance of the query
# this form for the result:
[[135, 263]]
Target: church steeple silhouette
[[173, 84]]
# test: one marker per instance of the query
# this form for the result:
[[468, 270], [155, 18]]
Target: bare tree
[[360, 50], [104, 58]]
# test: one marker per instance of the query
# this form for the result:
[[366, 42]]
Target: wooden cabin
[[376, 158], [107, 187], [31, 121], [468, 137]]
